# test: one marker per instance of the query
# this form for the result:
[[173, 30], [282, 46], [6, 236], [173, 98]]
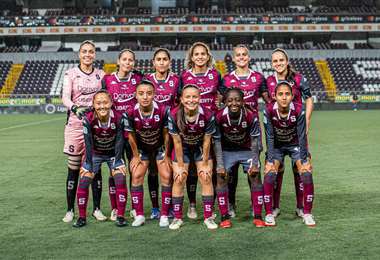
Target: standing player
[[79, 86], [253, 85], [191, 127], [285, 131], [122, 87], [103, 137], [166, 85], [200, 72], [146, 128], [301, 91], [239, 130]]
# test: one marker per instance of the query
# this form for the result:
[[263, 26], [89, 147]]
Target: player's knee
[[221, 182], [307, 178], [165, 179], [205, 179], [119, 178], [74, 162], [85, 181], [270, 177]]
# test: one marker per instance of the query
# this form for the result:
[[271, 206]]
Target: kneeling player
[[191, 127], [239, 133], [146, 127], [285, 130], [103, 138]]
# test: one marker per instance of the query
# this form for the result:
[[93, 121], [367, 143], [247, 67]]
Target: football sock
[[153, 188], [208, 203], [177, 206], [137, 194], [222, 197], [308, 192], [166, 197], [96, 186], [112, 192], [277, 189], [121, 193], [71, 188], [268, 191], [82, 195]]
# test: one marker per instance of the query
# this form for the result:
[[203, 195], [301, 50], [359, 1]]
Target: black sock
[[153, 188], [71, 187], [232, 184], [96, 187]]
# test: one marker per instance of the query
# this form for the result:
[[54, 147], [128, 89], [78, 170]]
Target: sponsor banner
[[362, 98], [22, 101]]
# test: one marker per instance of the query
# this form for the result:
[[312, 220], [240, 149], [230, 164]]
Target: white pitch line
[[29, 124]]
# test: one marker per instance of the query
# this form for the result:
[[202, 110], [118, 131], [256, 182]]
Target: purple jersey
[[252, 86], [193, 133], [237, 136], [300, 87], [208, 84], [165, 90], [148, 129], [101, 139], [122, 91], [78, 89], [285, 131]]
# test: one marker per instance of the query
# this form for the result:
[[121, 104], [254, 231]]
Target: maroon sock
[[121, 193], [112, 192], [177, 207], [137, 194], [308, 192], [82, 195], [208, 204], [268, 191], [277, 189], [222, 196], [257, 194], [166, 199], [298, 186]]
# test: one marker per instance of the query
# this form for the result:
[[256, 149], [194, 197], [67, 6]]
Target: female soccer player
[[191, 127], [301, 90], [201, 73], [285, 130], [79, 86], [239, 130], [122, 87], [103, 137], [146, 127], [253, 85], [166, 85]]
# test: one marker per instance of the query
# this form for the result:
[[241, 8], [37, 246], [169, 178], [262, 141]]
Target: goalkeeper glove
[[79, 111]]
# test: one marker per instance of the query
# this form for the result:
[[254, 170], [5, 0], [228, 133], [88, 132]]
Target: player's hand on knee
[[269, 167], [222, 172], [253, 170], [180, 175], [84, 172], [135, 162], [306, 167], [121, 169]]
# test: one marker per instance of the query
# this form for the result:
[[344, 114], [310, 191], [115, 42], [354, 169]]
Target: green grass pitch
[[345, 149]]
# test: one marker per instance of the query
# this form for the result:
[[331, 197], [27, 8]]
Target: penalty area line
[[29, 124]]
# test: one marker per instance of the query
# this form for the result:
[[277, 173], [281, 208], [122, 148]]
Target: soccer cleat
[[113, 215], [164, 221], [192, 212], [232, 210], [225, 222], [299, 212], [269, 220], [121, 221], [155, 213], [139, 221], [308, 219], [210, 223], [68, 217], [98, 214], [176, 224], [81, 222], [132, 213], [259, 223], [276, 212]]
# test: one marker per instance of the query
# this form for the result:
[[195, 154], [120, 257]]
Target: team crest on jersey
[[293, 119], [113, 126], [210, 76], [97, 77], [253, 79], [244, 124]]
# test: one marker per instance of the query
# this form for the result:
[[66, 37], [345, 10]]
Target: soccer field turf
[[345, 149]]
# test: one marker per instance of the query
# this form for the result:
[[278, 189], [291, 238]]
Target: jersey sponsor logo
[[122, 97], [249, 94], [162, 98], [207, 90]]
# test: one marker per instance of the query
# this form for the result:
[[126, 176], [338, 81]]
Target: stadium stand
[[4, 69]]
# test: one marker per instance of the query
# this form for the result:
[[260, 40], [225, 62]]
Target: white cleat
[[192, 212], [299, 212], [164, 222], [276, 212], [176, 224], [231, 210], [132, 213], [139, 221], [269, 220], [113, 215], [68, 217], [308, 219], [210, 223], [98, 214]]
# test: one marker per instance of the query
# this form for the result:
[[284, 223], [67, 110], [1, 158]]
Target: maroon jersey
[[237, 136], [285, 131], [165, 90], [300, 87], [193, 134], [252, 86], [101, 138], [208, 84], [148, 129], [123, 91]]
